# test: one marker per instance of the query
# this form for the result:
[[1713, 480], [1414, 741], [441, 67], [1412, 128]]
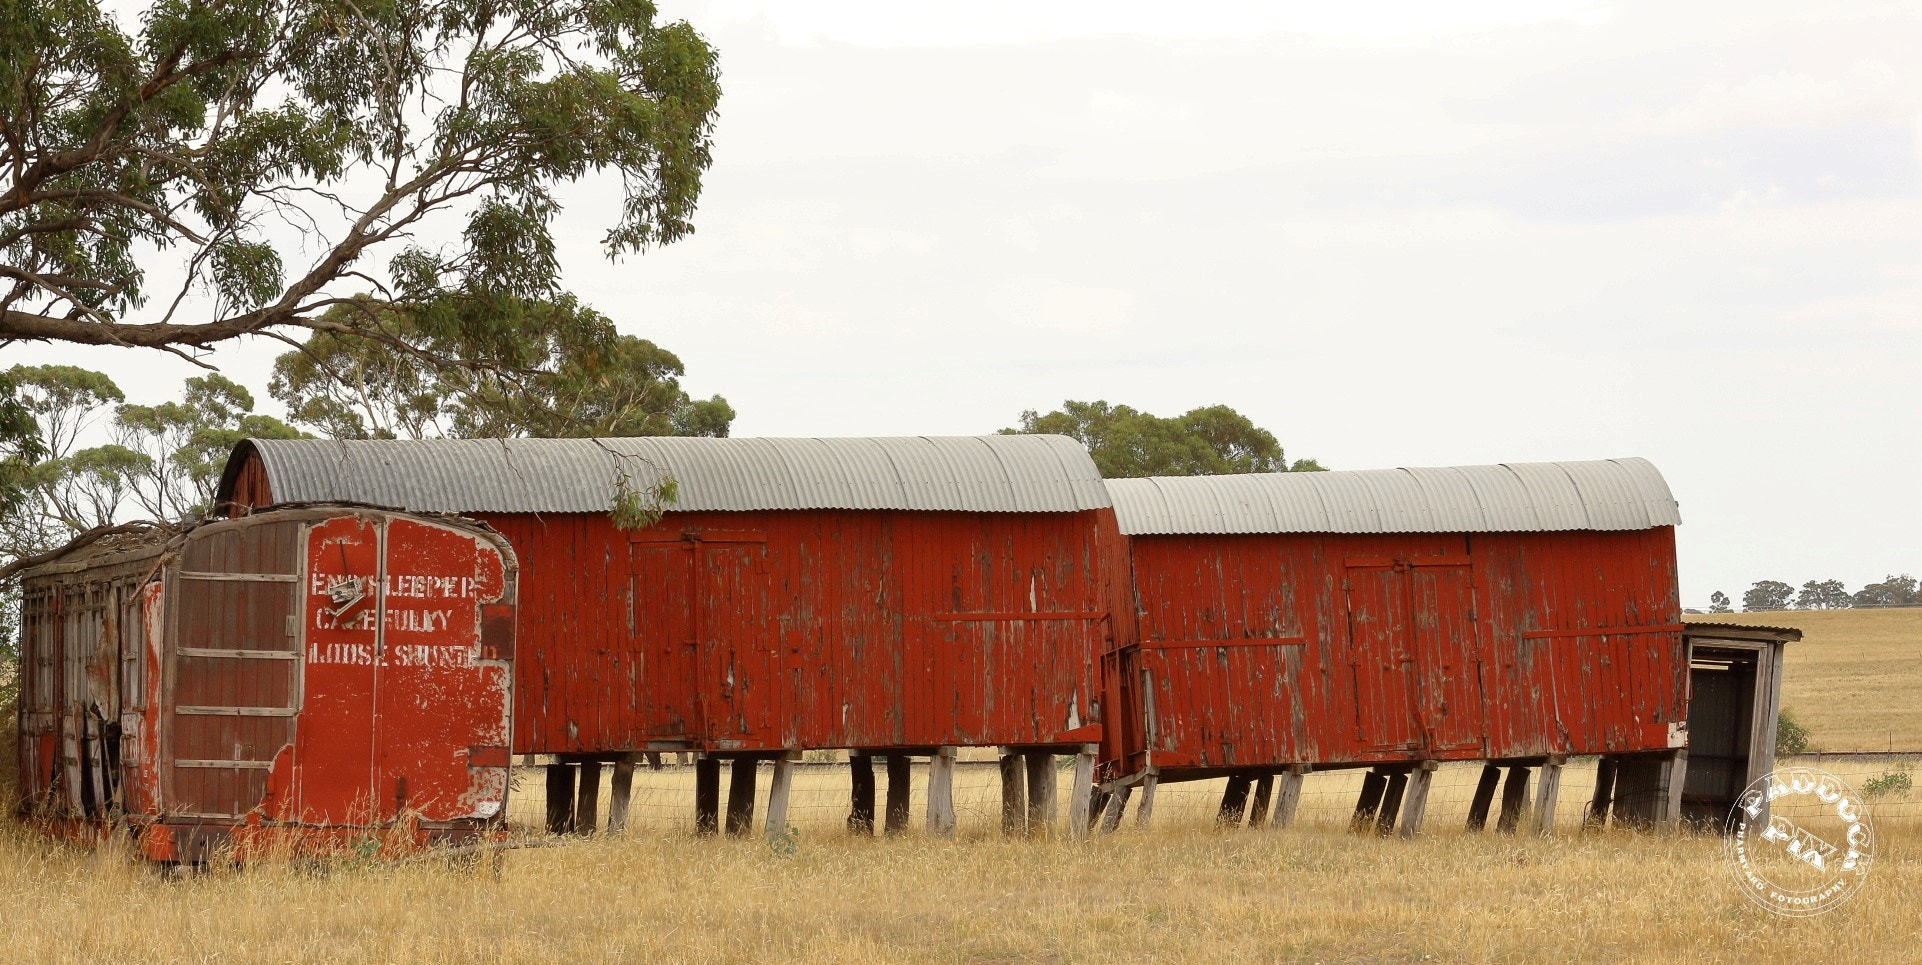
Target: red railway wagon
[[1393, 619], [307, 679], [890, 596]]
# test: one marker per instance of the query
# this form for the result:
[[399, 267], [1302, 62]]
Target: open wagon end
[[305, 680]]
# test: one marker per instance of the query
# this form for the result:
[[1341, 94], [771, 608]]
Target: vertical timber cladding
[[324, 667], [875, 593], [824, 628], [1319, 623], [407, 705]]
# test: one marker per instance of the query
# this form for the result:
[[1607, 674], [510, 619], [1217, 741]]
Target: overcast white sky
[[1410, 234]]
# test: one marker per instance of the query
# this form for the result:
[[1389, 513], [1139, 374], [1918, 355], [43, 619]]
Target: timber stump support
[[777, 795], [1258, 804], [1391, 802], [1041, 791], [1373, 785], [1514, 799], [1081, 799], [1145, 812], [1117, 803], [707, 795], [587, 803], [1414, 807], [941, 793], [1234, 802], [1547, 788], [740, 796], [860, 794], [900, 781], [560, 798], [1288, 795], [1597, 814], [1014, 795], [1674, 775], [1484, 797], [619, 792]]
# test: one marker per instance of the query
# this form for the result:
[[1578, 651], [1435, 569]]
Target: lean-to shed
[[1512, 613], [299, 678], [884, 594]]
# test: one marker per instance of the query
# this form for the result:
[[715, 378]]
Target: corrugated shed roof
[[1606, 494], [1022, 474], [1709, 628]]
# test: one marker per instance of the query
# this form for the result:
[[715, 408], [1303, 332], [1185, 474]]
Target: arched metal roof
[[1018, 474], [1606, 494]]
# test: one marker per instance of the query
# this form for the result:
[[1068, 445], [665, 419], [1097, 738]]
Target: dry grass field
[[1181, 891], [1177, 893], [1855, 679]]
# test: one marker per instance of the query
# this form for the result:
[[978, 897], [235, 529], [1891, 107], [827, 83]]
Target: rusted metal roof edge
[[1601, 495], [1018, 473]]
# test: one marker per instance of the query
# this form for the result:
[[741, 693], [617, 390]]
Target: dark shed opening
[[1735, 687]]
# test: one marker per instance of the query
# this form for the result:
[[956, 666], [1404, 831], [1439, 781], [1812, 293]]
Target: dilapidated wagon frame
[[1394, 619], [307, 679], [891, 597]]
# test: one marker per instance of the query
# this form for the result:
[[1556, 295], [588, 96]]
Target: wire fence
[[662, 801]]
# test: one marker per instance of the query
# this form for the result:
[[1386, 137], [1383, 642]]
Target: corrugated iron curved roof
[[1022, 474], [1606, 494]]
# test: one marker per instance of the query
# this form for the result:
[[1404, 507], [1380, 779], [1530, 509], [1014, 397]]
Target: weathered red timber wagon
[[889, 596], [308, 678], [1393, 619]]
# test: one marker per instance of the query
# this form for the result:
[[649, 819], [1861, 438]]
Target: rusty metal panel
[[1269, 650], [837, 628], [307, 671]]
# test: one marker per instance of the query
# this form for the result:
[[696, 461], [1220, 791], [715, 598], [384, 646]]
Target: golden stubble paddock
[[1177, 893]]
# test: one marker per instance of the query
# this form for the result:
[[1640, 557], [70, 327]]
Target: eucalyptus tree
[[213, 169]]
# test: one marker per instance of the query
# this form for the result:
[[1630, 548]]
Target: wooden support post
[[707, 795], [1117, 803], [560, 798], [620, 791], [1514, 799], [1234, 802], [1484, 797], [1041, 791], [1597, 814], [941, 792], [777, 795], [1414, 805], [1014, 794], [1081, 797], [653, 760], [587, 804], [861, 794], [1547, 787], [740, 797], [1258, 804], [1391, 802], [1373, 784], [1145, 812], [1288, 795], [899, 783], [1674, 775], [1097, 806]]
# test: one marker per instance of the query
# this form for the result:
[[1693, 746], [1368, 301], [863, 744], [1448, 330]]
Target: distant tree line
[[1895, 591]]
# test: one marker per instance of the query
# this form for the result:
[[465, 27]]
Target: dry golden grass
[[1855, 677], [1177, 893], [1182, 891]]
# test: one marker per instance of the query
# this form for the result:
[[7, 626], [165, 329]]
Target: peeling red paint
[[293, 677], [1268, 650]]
